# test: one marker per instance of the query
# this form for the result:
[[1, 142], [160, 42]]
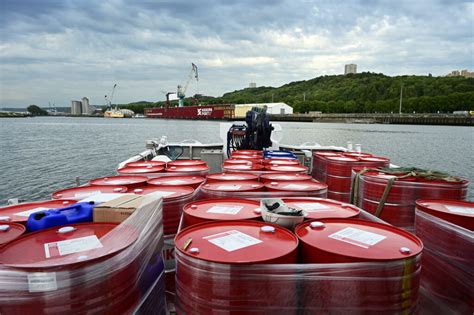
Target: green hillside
[[358, 93]]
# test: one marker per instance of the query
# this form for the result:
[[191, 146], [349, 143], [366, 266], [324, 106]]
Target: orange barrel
[[10, 231], [230, 189], [223, 177], [287, 168], [145, 164], [193, 181], [390, 285], [242, 167], [280, 162], [20, 212], [220, 210], [301, 188], [76, 267], [446, 229], [216, 268], [284, 177], [130, 182], [82, 192], [399, 207], [319, 208], [149, 171], [180, 163], [174, 198], [188, 170]]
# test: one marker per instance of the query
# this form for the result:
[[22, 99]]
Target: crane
[[108, 102], [167, 94], [182, 89]]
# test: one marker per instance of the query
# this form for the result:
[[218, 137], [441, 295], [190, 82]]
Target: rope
[[378, 211]]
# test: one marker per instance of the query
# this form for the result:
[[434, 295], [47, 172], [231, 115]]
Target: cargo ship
[[214, 112]]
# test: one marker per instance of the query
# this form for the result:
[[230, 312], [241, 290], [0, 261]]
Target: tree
[[35, 110]]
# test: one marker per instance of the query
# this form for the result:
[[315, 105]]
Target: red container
[[390, 287], [339, 183], [457, 212], [174, 198], [287, 168], [252, 158], [319, 208], [193, 181], [211, 273], [340, 165], [280, 162], [343, 197], [21, 212], [220, 210], [229, 189], [186, 163], [309, 188], [142, 164], [10, 231], [356, 154], [130, 182], [58, 264], [284, 177], [149, 171], [222, 111], [399, 215], [242, 167], [191, 170], [82, 192], [233, 161], [248, 152], [222, 177]]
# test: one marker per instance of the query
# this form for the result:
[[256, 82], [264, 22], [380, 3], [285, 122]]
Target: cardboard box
[[118, 209]]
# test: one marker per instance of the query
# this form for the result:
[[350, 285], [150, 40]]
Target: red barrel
[[251, 158], [220, 210], [73, 266], [189, 170], [391, 286], [229, 189], [234, 161], [319, 208], [357, 154], [280, 162], [248, 152], [10, 231], [149, 171], [142, 164], [82, 192], [284, 177], [214, 272], [180, 163], [193, 181], [20, 212], [445, 227], [174, 198], [287, 168], [223, 177], [342, 197], [242, 167], [128, 181], [306, 188]]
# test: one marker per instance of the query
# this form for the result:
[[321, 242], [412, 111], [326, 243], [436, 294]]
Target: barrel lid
[[357, 154], [232, 176], [285, 177], [236, 242], [352, 240], [141, 170], [342, 159], [459, 212], [62, 246], [247, 152], [320, 208], [186, 163], [119, 180], [236, 161], [187, 168], [145, 164], [374, 159], [326, 153], [20, 212], [276, 162], [176, 180], [81, 192], [381, 176], [296, 185], [224, 209], [233, 186], [167, 192], [243, 167], [10, 231], [287, 168]]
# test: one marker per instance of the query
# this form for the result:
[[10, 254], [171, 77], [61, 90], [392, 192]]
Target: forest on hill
[[353, 93]]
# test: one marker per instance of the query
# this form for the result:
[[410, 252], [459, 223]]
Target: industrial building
[[350, 68], [272, 109], [86, 109], [76, 108]]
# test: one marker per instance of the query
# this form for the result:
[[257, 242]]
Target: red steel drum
[[10, 231], [82, 192], [309, 188], [128, 181], [186, 163], [190, 170], [320, 208], [20, 212], [242, 167], [280, 162], [149, 171], [229, 189], [145, 164], [458, 212], [283, 177], [287, 168], [193, 181], [222, 177]]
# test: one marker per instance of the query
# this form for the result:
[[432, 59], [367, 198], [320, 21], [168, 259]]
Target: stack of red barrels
[[446, 228], [335, 169], [398, 208], [345, 264], [153, 169]]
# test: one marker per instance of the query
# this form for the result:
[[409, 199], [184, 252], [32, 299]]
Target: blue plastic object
[[76, 213], [279, 154]]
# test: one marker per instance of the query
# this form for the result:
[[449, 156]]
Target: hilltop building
[[463, 73], [272, 109], [350, 68], [252, 85]]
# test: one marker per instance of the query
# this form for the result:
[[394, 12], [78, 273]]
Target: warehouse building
[[272, 109]]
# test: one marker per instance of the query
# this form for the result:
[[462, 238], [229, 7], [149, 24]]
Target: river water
[[43, 154]]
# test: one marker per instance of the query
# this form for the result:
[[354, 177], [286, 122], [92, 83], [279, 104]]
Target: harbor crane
[[182, 88], [167, 94], [108, 102]]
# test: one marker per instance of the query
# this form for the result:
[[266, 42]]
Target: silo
[[76, 108], [85, 106]]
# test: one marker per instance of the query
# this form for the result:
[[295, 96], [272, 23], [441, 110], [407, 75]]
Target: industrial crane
[[182, 89], [108, 102]]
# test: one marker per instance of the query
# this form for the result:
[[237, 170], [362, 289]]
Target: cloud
[[62, 50]]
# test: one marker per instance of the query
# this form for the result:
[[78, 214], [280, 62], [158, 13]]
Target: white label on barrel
[[175, 182], [28, 212], [232, 240], [71, 246], [295, 186], [312, 207], [458, 209], [229, 187], [357, 237], [42, 281], [163, 193], [225, 209]]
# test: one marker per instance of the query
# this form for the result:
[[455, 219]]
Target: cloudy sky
[[56, 51]]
